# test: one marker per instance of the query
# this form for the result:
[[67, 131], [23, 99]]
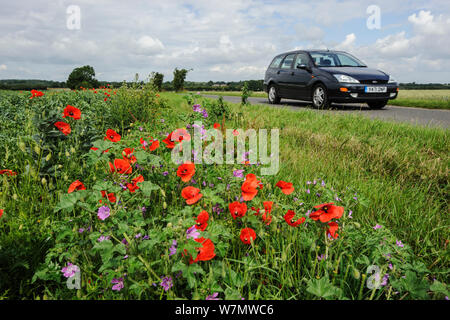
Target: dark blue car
[[324, 76]]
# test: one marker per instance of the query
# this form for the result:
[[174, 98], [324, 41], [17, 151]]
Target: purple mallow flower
[[118, 284], [166, 283], [399, 243], [103, 212], [70, 270], [192, 233], [173, 248], [213, 296], [238, 173], [377, 226]]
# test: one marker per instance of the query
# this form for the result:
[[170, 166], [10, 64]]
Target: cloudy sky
[[220, 40]]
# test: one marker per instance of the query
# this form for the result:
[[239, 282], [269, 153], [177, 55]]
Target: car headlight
[[345, 78], [392, 80]]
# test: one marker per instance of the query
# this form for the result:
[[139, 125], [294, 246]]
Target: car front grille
[[373, 81]]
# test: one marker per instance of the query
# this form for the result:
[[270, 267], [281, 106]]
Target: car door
[[300, 77], [284, 76]]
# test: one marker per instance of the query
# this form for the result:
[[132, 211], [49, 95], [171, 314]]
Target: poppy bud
[[37, 149], [163, 193], [164, 205], [67, 154], [65, 177], [180, 222], [48, 157], [356, 273], [22, 146], [44, 181], [60, 166], [50, 185], [169, 225], [72, 150], [15, 196]]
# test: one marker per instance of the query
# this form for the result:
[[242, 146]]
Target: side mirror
[[304, 67]]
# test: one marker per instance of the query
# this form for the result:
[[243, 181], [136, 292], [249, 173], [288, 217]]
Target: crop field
[[92, 205], [431, 99]]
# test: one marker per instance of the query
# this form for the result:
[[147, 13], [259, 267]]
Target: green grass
[[430, 99], [401, 169]]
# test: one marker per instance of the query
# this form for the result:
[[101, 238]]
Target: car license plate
[[375, 89]]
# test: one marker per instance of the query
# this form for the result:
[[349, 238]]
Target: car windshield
[[335, 59]]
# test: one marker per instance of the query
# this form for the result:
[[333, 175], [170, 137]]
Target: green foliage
[[179, 75], [245, 94], [82, 77], [157, 80]]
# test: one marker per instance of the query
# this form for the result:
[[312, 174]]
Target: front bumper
[[349, 92]]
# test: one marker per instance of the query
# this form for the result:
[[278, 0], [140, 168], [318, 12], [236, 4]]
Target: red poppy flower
[[181, 135], [332, 228], [202, 221], [154, 144], [63, 127], [8, 172], [326, 211], [178, 135], [248, 235], [266, 217], [75, 186], [111, 196], [113, 136], [286, 187], [256, 211], [128, 155], [132, 187], [216, 125], [235, 132], [168, 141], [289, 218], [71, 111], [94, 149], [122, 166], [249, 187], [191, 194], [35, 93], [237, 209], [1, 212], [186, 171], [205, 252]]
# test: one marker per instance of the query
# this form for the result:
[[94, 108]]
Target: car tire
[[272, 95], [377, 104], [319, 97]]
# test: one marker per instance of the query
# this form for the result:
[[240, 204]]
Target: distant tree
[[179, 75], [82, 77], [157, 80]]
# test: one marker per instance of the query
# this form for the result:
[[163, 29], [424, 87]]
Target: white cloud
[[3, 67]]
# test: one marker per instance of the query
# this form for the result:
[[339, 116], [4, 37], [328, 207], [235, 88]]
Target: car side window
[[276, 62], [287, 62], [302, 58]]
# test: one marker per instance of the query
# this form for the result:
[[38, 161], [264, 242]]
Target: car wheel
[[320, 97], [273, 96], [377, 104]]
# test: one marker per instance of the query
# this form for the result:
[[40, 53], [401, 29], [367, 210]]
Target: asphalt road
[[417, 116]]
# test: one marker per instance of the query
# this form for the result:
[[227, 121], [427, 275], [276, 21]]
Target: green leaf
[[415, 286], [322, 288], [147, 187], [439, 287]]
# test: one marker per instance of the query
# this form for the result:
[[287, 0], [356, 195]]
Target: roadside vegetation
[[88, 186]]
